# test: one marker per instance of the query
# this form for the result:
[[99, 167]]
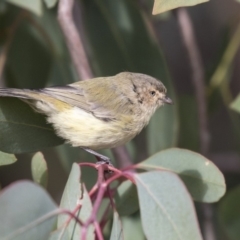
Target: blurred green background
[[124, 36]]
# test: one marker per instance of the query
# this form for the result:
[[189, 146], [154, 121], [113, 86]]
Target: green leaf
[[229, 213], [202, 178], [132, 228], [75, 193], [128, 44], [167, 211], [225, 64], [62, 69], [26, 212], [34, 6], [29, 59], [40, 43], [59, 234], [6, 158], [117, 230], [50, 3], [235, 105], [68, 155], [23, 130], [39, 169], [166, 5], [126, 199], [53, 65]]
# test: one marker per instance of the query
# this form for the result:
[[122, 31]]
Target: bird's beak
[[167, 100]]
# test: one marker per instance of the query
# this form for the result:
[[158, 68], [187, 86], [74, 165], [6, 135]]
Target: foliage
[[163, 6], [152, 199], [7, 158], [39, 169], [156, 193]]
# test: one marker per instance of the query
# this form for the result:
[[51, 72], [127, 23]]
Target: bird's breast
[[83, 129]]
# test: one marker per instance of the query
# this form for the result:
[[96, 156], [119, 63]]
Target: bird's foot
[[101, 159]]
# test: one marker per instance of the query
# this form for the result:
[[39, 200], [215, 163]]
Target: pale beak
[[167, 100]]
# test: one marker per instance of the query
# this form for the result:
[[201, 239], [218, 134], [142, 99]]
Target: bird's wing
[[81, 98]]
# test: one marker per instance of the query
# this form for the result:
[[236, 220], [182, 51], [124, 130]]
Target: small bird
[[98, 113]]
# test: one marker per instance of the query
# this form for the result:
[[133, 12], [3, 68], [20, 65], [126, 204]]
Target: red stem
[[72, 216], [102, 187], [98, 231]]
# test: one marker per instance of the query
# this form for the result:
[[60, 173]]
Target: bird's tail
[[19, 93]]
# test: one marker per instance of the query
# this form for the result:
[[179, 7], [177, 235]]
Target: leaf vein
[[28, 125], [160, 205]]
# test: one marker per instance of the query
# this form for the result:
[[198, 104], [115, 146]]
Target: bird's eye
[[153, 93]]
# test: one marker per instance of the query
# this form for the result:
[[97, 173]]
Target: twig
[[99, 190], [102, 188], [73, 39], [110, 198], [122, 154], [80, 61], [198, 82], [98, 231], [72, 216], [197, 76], [105, 216], [102, 185]]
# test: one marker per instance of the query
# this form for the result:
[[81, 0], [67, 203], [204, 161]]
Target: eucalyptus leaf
[[50, 3], [61, 70], [29, 59], [235, 105], [26, 212], [126, 199], [59, 234], [167, 212], [34, 6], [23, 130], [68, 155], [202, 178], [166, 5], [117, 230], [132, 228], [221, 73], [229, 213], [39, 169], [6, 158], [74, 194]]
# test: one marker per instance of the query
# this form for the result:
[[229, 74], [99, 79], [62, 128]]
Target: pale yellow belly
[[80, 128]]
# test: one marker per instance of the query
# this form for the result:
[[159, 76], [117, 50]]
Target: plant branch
[[73, 39], [102, 187], [189, 41], [121, 153], [98, 231], [72, 216], [105, 216]]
